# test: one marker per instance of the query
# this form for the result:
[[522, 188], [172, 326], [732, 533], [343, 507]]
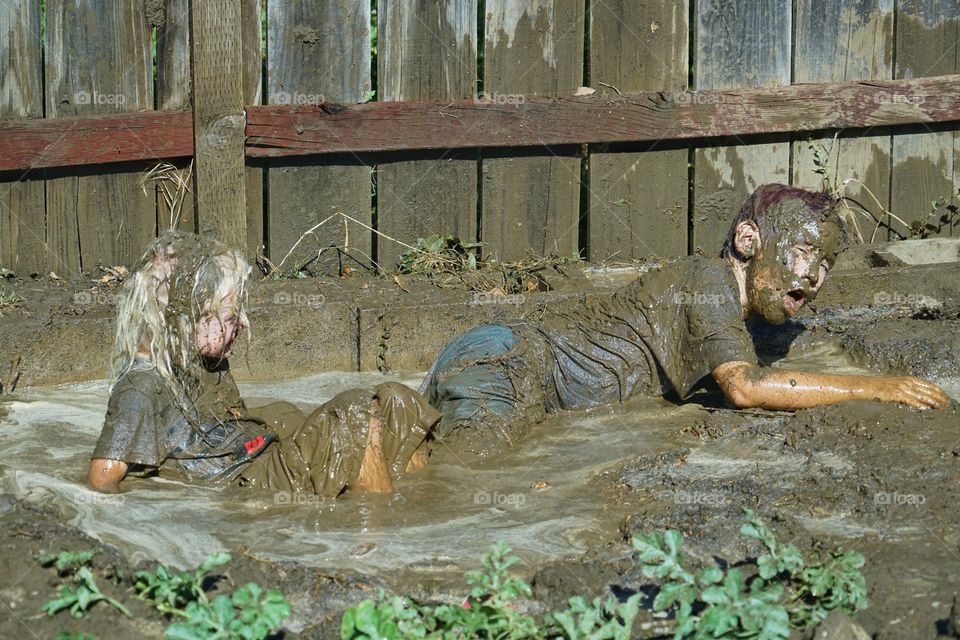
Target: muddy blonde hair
[[180, 278]]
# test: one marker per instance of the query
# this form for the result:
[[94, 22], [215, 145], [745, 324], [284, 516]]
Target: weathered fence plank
[[532, 48], [87, 73], [740, 43], [173, 93], [638, 201], [835, 41], [426, 50], [252, 60], [649, 116], [319, 51], [924, 163], [218, 119], [22, 226]]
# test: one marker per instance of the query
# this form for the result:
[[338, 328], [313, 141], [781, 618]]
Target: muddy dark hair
[[819, 205]]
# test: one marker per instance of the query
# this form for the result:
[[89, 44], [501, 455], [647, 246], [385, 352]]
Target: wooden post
[[218, 119]]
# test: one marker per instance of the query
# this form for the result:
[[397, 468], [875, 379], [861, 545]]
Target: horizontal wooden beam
[[499, 121], [67, 142], [521, 121]]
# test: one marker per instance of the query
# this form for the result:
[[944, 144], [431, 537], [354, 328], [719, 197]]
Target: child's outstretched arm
[[105, 475], [747, 385]]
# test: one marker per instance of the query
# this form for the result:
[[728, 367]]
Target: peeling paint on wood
[[740, 43], [638, 201], [836, 41], [531, 200], [924, 168], [426, 50]]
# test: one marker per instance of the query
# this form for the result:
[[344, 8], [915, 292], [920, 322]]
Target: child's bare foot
[[374, 474]]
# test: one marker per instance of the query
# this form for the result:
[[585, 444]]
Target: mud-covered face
[[789, 268], [218, 327]]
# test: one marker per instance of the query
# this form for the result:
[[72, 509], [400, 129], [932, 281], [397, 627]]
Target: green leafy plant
[[489, 612], [9, 298], [66, 635], [438, 254], [248, 613], [788, 591], [170, 592], [82, 592]]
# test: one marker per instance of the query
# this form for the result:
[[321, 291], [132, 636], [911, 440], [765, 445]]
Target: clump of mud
[[907, 347]]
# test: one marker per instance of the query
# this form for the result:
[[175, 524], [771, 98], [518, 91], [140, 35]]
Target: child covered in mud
[[175, 410], [667, 331]]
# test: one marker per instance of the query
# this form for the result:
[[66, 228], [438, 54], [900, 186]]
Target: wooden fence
[[615, 197]]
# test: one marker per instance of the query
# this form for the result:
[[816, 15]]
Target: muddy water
[[536, 497], [540, 497]]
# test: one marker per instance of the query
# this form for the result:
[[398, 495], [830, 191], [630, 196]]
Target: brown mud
[[879, 478]]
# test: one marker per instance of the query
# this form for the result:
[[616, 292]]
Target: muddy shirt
[[668, 329], [144, 426]]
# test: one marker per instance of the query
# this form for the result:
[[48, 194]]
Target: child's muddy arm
[[105, 475], [747, 385]]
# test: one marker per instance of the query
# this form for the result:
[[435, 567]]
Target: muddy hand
[[914, 392]]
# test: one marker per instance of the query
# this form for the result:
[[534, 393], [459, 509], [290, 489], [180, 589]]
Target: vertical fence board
[[426, 50], [87, 73], [924, 163], [216, 64], [250, 30], [317, 51], [839, 41], [533, 47], [22, 225], [740, 43], [638, 201], [173, 92]]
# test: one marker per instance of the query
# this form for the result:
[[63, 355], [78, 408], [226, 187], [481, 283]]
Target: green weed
[[787, 592], [248, 613], [9, 298], [82, 592]]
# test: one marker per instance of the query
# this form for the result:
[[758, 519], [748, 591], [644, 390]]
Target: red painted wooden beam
[[518, 121], [123, 137]]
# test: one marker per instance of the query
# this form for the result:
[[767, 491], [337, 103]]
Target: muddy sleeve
[[131, 428], [716, 327]]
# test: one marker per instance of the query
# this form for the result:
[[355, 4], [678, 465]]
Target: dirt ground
[[879, 478]]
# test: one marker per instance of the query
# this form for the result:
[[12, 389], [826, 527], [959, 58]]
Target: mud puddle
[[440, 521]]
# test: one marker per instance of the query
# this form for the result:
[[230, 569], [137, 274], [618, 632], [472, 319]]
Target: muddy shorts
[[322, 453], [487, 385]]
